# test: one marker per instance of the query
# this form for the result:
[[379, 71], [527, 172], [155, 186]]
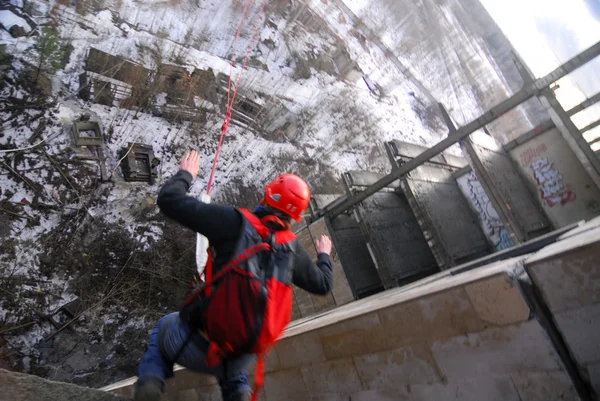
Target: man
[[285, 198]]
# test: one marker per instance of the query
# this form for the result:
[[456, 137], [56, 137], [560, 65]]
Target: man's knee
[[236, 388], [165, 324], [239, 396]]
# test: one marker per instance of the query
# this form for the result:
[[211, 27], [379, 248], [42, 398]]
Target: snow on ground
[[8, 19], [328, 123]]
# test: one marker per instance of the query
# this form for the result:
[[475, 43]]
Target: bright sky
[[547, 33]]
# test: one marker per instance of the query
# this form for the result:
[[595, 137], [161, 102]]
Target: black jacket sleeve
[[222, 225], [316, 278], [216, 222]]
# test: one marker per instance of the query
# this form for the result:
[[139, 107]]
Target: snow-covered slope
[[344, 80]]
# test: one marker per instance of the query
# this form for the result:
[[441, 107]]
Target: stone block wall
[[567, 274], [475, 335]]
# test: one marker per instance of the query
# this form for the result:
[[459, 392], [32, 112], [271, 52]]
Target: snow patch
[[8, 19]]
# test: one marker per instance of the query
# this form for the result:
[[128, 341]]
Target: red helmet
[[289, 194]]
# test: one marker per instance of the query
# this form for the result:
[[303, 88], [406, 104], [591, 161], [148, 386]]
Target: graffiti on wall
[[531, 154], [550, 183], [489, 219]]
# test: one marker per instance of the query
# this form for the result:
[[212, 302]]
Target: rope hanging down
[[231, 98], [202, 256]]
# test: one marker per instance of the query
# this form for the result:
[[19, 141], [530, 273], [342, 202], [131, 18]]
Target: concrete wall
[[355, 256], [520, 213], [484, 209], [446, 220], [455, 233], [306, 304], [567, 275], [470, 336], [398, 245], [564, 188]]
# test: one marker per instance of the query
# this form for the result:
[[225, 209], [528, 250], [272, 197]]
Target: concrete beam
[[585, 104], [590, 127], [529, 91], [549, 124]]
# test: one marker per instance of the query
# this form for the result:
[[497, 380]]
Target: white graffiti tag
[[550, 183], [488, 216]]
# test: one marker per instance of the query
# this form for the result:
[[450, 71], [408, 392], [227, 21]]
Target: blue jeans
[[166, 340]]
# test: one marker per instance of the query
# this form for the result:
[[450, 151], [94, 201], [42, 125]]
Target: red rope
[[237, 84], [237, 35], [231, 99]]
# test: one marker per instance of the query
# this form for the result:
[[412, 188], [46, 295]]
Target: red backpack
[[245, 306]]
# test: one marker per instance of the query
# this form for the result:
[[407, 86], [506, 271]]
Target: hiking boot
[[243, 396], [150, 390]]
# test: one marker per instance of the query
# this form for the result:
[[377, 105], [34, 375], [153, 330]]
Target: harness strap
[[208, 272], [216, 354], [259, 376]]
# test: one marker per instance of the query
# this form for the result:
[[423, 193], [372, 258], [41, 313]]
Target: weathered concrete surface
[[568, 276], [306, 304], [470, 336], [355, 257], [489, 219], [455, 232], [399, 247], [20, 387], [341, 291], [443, 214], [521, 214], [562, 185]]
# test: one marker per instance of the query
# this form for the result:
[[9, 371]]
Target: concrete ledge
[[20, 387], [567, 274], [469, 336]]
